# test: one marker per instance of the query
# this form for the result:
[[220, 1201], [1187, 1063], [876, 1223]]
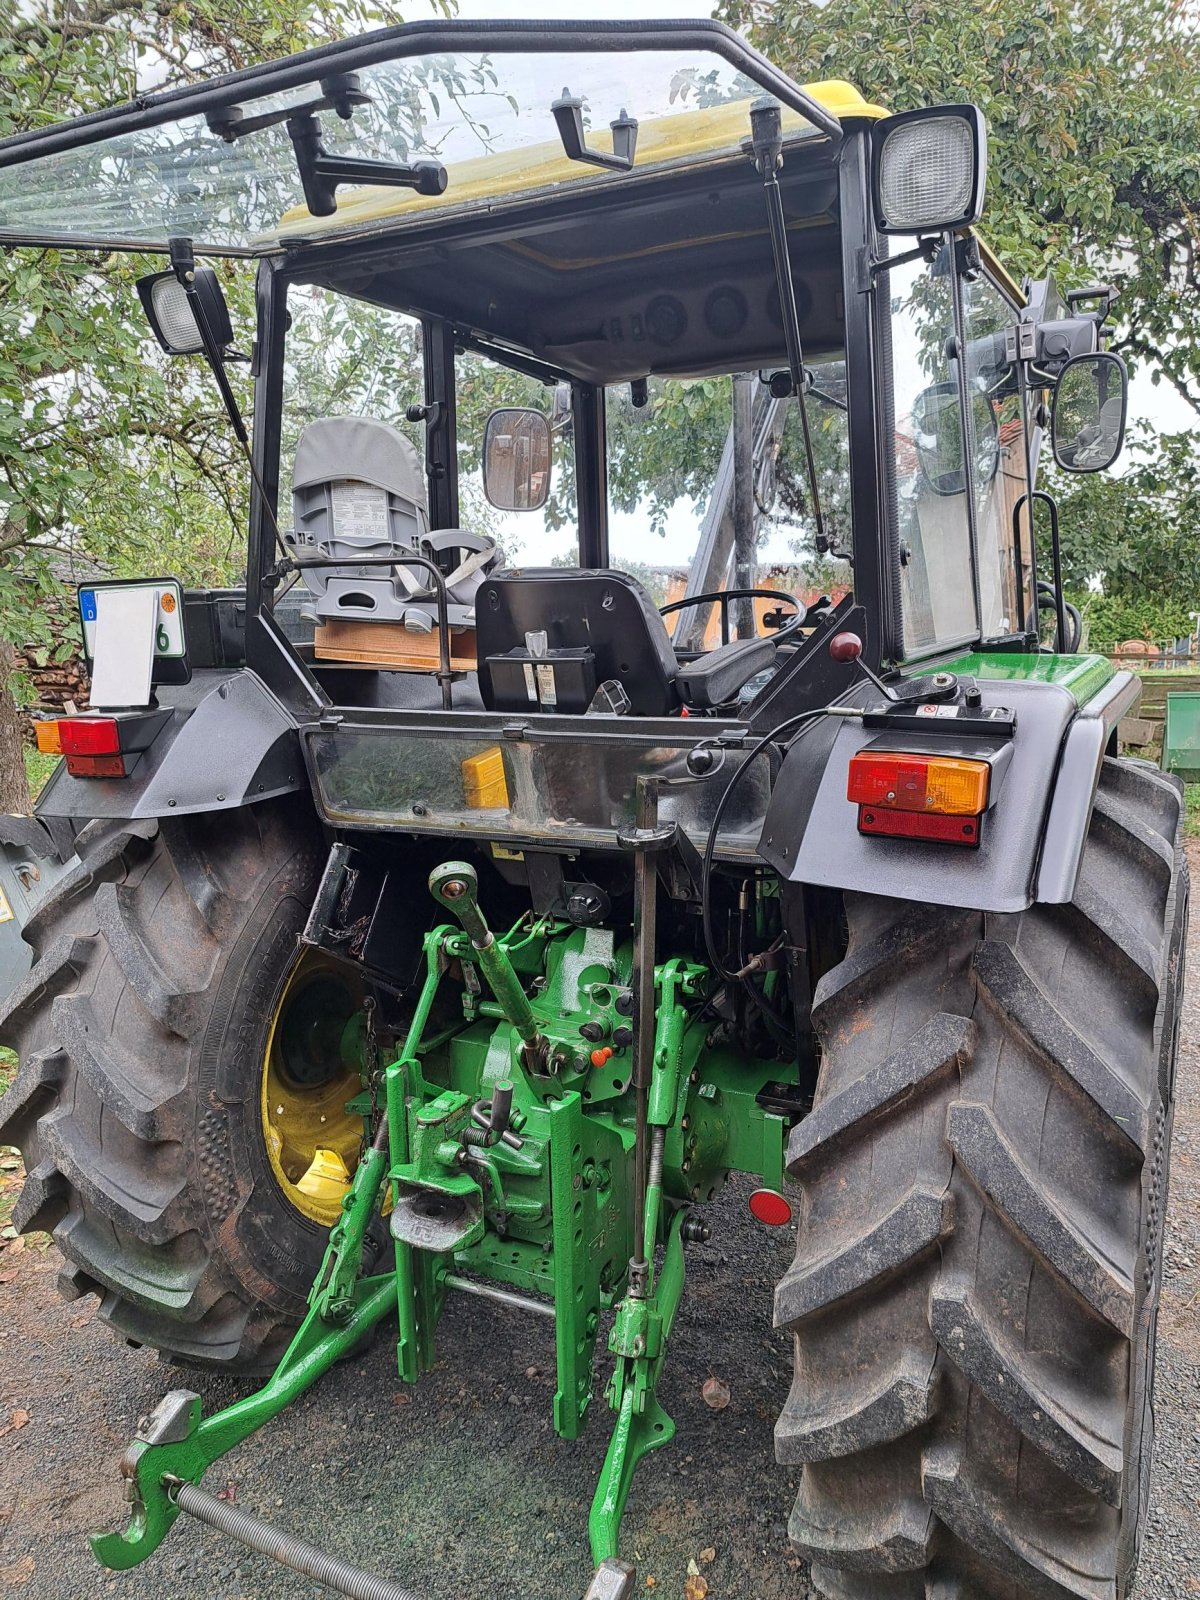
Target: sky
[[1157, 406]]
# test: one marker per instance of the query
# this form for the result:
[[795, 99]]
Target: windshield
[[485, 113]]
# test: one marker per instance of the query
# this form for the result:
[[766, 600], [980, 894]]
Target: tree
[[1093, 111], [1094, 135], [109, 452]]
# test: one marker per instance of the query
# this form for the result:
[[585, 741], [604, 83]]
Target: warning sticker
[[359, 511], [547, 689], [6, 911]]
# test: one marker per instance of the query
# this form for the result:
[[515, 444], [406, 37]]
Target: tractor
[[445, 925]]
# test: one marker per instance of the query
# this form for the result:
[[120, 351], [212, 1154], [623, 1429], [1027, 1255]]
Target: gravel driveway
[[461, 1489]]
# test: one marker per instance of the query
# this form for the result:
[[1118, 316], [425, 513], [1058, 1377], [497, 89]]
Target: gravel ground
[[463, 1488]]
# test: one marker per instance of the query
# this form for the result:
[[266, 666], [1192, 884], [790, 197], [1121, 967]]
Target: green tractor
[[447, 926]]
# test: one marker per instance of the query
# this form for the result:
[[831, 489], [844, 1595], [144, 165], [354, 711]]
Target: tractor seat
[[598, 626]]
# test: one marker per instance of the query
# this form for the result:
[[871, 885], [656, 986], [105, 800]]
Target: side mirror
[[1087, 418], [938, 439], [170, 315], [516, 459]]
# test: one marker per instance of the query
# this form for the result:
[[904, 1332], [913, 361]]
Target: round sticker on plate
[[167, 602]]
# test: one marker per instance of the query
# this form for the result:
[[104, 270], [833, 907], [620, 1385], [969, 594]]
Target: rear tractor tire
[[149, 1078], [976, 1283]]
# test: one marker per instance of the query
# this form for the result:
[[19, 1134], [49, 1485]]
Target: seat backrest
[[608, 612]]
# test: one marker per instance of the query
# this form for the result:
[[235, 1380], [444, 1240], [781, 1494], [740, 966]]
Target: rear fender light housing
[[101, 745], [940, 795]]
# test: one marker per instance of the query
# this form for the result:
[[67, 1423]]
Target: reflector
[[919, 825], [769, 1206], [97, 766]]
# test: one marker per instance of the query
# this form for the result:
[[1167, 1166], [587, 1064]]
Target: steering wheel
[[723, 597]]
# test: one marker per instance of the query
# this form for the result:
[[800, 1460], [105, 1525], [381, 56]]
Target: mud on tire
[[976, 1283], [140, 1033]]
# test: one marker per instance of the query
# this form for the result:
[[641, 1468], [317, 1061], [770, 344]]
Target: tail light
[[903, 795], [97, 746], [89, 736]]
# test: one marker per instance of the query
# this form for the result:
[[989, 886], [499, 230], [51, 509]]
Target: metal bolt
[[220, 797], [687, 1122], [453, 888]]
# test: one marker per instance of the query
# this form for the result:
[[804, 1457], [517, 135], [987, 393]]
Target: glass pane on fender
[[937, 587], [1001, 458]]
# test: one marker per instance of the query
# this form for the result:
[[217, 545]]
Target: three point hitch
[[509, 1159]]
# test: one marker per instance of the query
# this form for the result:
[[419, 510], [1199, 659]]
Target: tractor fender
[[228, 743], [1033, 834]]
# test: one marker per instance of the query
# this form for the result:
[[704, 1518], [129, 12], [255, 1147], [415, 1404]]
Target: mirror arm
[[183, 264], [322, 172]]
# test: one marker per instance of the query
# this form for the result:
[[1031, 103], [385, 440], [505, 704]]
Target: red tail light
[[89, 736]]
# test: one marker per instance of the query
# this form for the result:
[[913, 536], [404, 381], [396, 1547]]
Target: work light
[[170, 314], [929, 169]]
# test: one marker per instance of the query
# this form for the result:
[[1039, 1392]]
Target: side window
[[345, 358], [1001, 457], [937, 577]]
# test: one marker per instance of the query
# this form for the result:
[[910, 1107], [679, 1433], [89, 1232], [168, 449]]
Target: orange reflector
[[768, 1206], [939, 785], [484, 785], [46, 734]]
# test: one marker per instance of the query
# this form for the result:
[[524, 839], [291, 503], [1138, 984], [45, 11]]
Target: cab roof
[[217, 162]]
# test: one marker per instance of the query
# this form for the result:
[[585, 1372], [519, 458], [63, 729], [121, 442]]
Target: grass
[[1191, 825], [38, 768]]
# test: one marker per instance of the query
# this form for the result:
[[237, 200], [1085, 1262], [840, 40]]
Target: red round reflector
[[770, 1207]]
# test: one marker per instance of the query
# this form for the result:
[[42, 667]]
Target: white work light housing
[[169, 312], [929, 169]]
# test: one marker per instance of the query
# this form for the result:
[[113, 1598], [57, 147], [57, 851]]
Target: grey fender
[[1033, 835], [229, 743]]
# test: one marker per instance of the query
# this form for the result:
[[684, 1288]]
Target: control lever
[[847, 647], [494, 1115]]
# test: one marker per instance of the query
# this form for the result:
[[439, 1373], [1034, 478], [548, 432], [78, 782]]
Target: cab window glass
[[1001, 456], [937, 583]]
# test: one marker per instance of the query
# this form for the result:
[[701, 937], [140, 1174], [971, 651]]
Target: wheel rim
[[311, 1140]]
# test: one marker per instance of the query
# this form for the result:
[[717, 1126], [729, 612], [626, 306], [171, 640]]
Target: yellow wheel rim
[[312, 1142]]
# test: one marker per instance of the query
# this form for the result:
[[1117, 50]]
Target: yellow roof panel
[[684, 137]]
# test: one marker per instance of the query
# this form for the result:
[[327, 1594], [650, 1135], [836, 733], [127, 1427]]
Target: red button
[[770, 1207]]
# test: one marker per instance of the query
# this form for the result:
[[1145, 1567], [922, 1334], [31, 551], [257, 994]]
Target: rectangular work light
[[930, 169], [169, 311]]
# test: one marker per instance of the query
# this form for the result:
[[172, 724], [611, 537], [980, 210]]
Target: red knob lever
[[845, 647]]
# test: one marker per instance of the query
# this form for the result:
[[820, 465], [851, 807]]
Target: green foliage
[[1137, 533], [1109, 620], [1093, 109], [38, 768], [1191, 821]]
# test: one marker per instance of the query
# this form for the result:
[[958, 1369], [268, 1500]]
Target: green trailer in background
[[1181, 742]]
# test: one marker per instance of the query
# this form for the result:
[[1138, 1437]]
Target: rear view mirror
[[516, 459], [938, 440], [169, 312], [1087, 421]]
